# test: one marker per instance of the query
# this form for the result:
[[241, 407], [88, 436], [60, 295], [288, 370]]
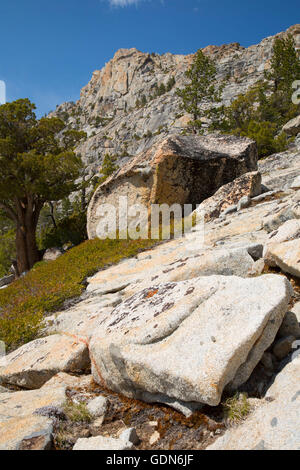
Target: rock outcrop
[[292, 127], [32, 365], [274, 425], [179, 324], [177, 170], [190, 339], [117, 124]]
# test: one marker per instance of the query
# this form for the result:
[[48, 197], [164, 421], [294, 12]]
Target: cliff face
[[108, 108]]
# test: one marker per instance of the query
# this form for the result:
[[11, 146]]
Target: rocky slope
[[107, 109], [182, 326]]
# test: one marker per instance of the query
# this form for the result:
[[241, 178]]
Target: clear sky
[[49, 49]]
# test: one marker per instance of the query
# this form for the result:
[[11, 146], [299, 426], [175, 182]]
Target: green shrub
[[264, 133], [44, 289], [70, 230], [7, 251], [236, 408], [77, 412]]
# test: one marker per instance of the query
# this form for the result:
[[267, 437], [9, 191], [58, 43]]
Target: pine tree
[[285, 64], [200, 88], [38, 165]]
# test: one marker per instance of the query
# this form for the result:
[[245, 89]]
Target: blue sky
[[49, 49]]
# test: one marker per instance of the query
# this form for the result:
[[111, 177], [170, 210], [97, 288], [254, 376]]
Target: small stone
[[102, 443], [98, 406], [97, 424], [154, 438], [258, 268], [283, 347], [130, 436], [52, 254], [153, 423]]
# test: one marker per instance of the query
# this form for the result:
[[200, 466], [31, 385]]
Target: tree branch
[[9, 211]]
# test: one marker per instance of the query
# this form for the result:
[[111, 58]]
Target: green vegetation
[[261, 112], [68, 230], [237, 408], [36, 166], [45, 288], [77, 412], [159, 90], [108, 167], [200, 88]]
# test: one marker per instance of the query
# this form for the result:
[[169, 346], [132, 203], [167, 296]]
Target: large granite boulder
[[179, 169], [187, 341], [247, 185]]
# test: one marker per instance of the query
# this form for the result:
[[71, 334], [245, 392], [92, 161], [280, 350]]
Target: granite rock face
[[292, 127], [276, 424], [247, 185], [286, 256], [33, 364], [189, 340], [109, 111], [177, 170], [20, 427]]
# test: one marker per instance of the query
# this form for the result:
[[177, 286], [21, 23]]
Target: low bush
[[47, 286]]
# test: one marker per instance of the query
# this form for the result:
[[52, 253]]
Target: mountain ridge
[[132, 100]]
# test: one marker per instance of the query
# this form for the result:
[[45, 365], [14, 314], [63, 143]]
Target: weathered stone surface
[[290, 230], [283, 347], [283, 213], [26, 433], [296, 310], [178, 260], [296, 183], [292, 127], [243, 203], [104, 443], [169, 173], [20, 429], [98, 406], [286, 256], [276, 424], [107, 109], [230, 194], [17, 404], [280, 170], [290, 326], [52, 254], [72, 382], [32, 365], [188, 340]]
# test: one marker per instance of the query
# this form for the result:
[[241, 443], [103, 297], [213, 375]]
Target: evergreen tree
[[200, 88], [285, 64], [38, 164]]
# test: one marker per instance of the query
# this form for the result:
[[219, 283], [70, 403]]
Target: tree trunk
[[27, 251]]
